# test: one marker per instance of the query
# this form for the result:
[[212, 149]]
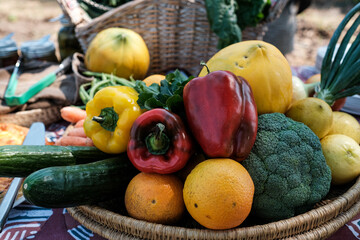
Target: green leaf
[[152, 103], [168, 95], [175, 103], [222, 18], [250, 13]]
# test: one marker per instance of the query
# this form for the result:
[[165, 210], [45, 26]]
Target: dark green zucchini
[[68, 186], [21, 160]]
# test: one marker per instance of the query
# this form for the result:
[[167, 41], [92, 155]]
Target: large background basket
[[176, 32], [339, 207]]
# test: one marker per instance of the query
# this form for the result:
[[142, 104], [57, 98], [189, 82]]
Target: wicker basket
[[341, 204], [26, 118], [176, 32]]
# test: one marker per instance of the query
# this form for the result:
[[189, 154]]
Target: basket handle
[[72, 9]]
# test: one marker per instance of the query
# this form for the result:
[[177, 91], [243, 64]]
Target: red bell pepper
[[222, 115], [159, 142]]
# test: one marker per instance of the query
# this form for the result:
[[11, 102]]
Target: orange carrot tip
[[72, 114], [79, 124], [77, 132], [74, 141]]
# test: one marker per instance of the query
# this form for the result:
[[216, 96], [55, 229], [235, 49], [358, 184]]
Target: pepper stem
[[202, 63], [107, 119], [157, 142]]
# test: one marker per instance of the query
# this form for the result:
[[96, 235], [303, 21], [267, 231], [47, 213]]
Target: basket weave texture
[[176, 32], [319, 223], [26, 118]]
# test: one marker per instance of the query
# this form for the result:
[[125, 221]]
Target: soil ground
[[30, 20]]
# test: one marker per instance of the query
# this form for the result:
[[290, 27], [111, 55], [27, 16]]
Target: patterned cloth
[[31, 222]]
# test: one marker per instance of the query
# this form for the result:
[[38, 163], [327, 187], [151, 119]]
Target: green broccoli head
[[288, 168]]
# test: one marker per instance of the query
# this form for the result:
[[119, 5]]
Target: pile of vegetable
[[237, 119]]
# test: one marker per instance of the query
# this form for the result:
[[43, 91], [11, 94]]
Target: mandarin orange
[[155, 198], [218, 193], [155, 78]]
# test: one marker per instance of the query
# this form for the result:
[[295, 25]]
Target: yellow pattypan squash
[[118, 51], [263, 66]]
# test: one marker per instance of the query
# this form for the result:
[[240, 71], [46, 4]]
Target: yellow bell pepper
[[109, 117]]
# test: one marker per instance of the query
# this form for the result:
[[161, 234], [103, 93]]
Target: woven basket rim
[[321, 232], [283, 228], [84, 24], [99, 19]]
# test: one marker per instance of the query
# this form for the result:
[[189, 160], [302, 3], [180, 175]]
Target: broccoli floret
[[288, 168]]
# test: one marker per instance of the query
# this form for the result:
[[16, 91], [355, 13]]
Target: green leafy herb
[[227, 18], [168, 95], [251, 12], [223, 21]]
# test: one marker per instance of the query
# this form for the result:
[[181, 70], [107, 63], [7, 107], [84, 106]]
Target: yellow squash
[[118, 51], [264, 67]]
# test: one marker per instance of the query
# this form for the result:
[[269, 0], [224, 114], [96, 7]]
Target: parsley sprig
[[167, 95]]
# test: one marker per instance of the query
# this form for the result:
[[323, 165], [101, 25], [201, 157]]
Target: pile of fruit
[[236, 141]]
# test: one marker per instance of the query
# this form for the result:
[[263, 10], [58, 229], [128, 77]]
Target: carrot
[[77, 132], [72, 114], [79, 123], [74, 141]]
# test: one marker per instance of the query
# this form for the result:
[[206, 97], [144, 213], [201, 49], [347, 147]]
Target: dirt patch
[[30, 20]]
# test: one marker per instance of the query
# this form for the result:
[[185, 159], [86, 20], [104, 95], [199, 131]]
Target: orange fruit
[[155, 198], [218, 193], [314, 78], [155, 78]]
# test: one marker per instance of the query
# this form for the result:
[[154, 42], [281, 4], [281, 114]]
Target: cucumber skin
[[69, 186], [22, 160]]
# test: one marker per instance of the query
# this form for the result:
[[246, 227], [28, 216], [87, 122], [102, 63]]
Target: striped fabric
[[31, 222]]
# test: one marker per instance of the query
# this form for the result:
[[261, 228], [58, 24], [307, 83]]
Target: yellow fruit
[[313, 112], [118, 51], [342, 154], [299, 91], [344, 123], [264, 67], [155, 78], [155, 198], [218, 193]]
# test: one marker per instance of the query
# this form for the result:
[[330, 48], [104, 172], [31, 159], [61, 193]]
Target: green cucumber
[[68, 186], [21, 160]]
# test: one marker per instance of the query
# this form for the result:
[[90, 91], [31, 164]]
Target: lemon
[[344, 123], [313, 112], [342, 154]]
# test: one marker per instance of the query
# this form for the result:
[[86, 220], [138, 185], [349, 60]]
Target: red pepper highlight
[[222, 115], [159, 142]]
